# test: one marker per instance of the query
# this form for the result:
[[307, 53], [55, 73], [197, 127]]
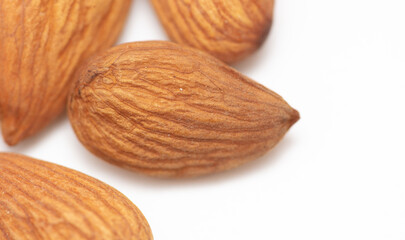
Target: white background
[[340, 171]]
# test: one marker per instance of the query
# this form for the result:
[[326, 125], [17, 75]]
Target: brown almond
[[41, 200], [167, 110], [230, 30], [41, 45]]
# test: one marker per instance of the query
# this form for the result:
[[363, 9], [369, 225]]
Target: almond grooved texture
[[167, 110], [41, 45], [40, 200], [229, 30]]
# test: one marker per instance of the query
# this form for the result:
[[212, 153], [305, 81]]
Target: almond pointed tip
[[9, 132], [295, 116]]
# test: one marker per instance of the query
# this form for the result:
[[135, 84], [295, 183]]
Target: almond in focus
[[41, 200], [167, 110]]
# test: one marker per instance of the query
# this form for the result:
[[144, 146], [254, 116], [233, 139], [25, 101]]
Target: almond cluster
[[165, 109]]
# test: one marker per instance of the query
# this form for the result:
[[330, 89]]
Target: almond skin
[[41, 200], [41, 45], [230, 30], [167, 110]]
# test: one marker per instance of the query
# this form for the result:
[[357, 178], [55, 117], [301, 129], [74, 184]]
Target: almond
[[230, 30], [41, 200], [41, 45], [171, 111]]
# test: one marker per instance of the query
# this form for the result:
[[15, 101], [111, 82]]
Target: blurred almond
[[41, 200], [230, 30], [41, 45]]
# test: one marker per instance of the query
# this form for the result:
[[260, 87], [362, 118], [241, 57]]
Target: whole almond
[[230, 30], [167, 110], [41, 200], [41, 45]]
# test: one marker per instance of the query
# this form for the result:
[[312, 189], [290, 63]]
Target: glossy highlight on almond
[[167, 110]]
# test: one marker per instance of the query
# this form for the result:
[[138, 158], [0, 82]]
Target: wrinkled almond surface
[[41, 200], [41, 45], [229, 30], [168, 110]]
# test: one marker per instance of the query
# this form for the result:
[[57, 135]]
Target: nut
[[171, 111], [41, 45], [41, 200], [230, 30]]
